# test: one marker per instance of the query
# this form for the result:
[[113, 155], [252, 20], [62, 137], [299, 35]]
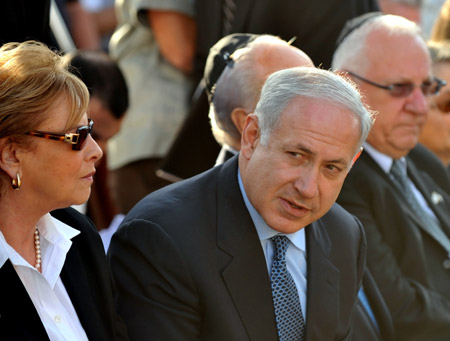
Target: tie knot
[[397, 169], [281, 244]]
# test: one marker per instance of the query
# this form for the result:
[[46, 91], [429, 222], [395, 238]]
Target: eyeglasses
[[428, 88], [76, 139]]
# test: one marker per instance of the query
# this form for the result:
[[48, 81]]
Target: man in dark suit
[[406, 215], [202, 258], [235, 71]]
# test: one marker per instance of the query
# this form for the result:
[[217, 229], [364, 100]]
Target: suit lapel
[[323, 285], [246, 275], [415, 177], [76, 283], [17, 308], [440, 209]]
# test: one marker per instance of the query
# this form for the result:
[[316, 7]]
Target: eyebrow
[[311, 153]]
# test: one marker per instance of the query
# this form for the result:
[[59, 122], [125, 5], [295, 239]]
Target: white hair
[[285, 85], [352, 52]]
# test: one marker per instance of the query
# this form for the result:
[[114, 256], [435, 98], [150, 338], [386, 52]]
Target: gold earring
[[16, 183]]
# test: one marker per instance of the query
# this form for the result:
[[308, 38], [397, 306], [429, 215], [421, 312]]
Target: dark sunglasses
[[431, 87], [76, 139]]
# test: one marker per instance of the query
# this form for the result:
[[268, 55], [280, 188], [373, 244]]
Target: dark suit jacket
[[188, 265], [411, 268], [86, 279], [363, 327], [427, 161]]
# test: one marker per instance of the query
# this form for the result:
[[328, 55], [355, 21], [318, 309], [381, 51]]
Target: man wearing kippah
[[235, 72], [405, 214]]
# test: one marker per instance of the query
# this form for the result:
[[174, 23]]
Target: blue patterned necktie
[[288, 311], [431, 225]]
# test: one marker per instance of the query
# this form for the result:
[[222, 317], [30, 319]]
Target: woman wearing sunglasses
[[53, 274], [436, 132]]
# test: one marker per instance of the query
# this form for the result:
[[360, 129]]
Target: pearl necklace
[[37, 248]]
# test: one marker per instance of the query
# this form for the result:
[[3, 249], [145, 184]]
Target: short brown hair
[[32, 79]]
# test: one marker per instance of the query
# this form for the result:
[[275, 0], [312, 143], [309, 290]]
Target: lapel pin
[[436, 198]]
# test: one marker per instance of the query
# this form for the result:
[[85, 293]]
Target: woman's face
[[436, 132], [52, 173]]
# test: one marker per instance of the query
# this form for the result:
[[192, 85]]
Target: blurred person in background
[[107, 107], [436, 132], [154, 44], [441, 26]]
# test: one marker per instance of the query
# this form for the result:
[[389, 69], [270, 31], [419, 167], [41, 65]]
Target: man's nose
[[417, 102], [307, 182]]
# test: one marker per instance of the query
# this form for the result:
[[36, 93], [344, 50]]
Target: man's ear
[[9, 157], [238, 116], [250, 136]]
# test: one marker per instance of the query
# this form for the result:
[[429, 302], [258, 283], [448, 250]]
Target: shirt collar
[[383, 160], [53, 230], [264, 231]]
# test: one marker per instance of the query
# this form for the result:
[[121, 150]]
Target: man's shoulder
[[339, 217], [339, 225], [177, 197], [189, 201], [429, 166]]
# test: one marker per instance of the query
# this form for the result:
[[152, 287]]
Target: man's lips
[[295, 209]]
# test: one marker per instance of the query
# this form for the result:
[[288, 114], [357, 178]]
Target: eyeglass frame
[[440, 83], [71, 138]]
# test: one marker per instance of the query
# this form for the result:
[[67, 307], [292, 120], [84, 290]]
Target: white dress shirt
[[46, 290], [295, 254]]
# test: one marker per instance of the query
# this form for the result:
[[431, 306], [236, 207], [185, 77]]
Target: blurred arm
[[176, 37]]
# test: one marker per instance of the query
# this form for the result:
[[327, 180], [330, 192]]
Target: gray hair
[[238, 86], [283, 86], [352, 51]]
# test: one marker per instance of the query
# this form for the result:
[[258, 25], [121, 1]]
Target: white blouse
[[46, 290]]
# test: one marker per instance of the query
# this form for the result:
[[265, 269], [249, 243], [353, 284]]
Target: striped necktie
[[429, 223]]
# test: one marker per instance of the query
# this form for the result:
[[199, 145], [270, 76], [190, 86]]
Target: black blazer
[[86, 279], [188, 265], [411, 268]]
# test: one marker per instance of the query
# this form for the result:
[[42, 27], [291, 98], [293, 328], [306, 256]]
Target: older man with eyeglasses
[[405, 213]]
